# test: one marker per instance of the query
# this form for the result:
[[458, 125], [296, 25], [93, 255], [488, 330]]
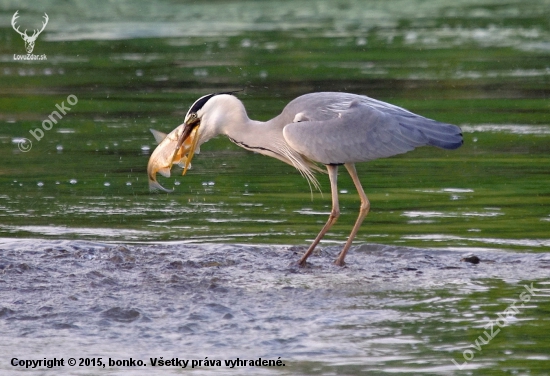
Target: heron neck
[[247, 133], [267, 138], [231, 119]]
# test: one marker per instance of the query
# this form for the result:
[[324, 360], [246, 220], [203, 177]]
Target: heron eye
[[193, 119]]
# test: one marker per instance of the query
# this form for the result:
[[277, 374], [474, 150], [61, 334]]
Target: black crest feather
[[202, 100]]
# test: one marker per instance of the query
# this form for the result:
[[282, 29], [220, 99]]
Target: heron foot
[[339, 262]]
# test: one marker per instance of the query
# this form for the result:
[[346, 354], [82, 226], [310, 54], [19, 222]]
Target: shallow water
[[92, 263]]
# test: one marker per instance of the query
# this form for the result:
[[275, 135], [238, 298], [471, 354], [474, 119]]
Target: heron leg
[[334, 213], [363, 211]]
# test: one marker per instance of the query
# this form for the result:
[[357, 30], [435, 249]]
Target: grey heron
[[326, 128]]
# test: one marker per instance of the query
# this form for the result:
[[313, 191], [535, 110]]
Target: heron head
[[204, 120]]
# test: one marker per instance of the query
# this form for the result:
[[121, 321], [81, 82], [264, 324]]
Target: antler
[[29, 40], [13, 19], [36, 32]]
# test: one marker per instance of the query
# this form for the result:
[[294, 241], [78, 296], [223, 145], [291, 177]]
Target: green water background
[[466, 63], [483, 66]]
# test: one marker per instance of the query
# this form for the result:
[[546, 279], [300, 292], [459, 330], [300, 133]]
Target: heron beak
[[191, 128]]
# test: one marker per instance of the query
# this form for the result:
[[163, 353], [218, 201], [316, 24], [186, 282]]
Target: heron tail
[[442, 135]]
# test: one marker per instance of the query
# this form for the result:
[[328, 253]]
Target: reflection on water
[[435, 25], [424, 214], [64, 231], [503, 242], [508, 128]]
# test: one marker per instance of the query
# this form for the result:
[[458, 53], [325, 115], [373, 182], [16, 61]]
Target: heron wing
[[355, 128]]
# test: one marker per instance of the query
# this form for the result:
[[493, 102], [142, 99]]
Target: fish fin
[[154, 186], [182, 162], [165, 171], [158, 135]]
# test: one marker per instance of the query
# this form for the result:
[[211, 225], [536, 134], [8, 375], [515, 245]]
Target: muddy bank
[[59, 298]]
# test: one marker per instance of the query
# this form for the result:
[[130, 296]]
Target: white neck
[[225, 114]]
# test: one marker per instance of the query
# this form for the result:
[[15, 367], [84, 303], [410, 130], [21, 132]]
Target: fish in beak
[[167, 153], [176, 147]]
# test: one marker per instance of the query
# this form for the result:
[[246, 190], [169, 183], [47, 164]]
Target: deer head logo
[[29, 40]]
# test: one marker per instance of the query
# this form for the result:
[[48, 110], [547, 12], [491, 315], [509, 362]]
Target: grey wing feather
[[351, 128]]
